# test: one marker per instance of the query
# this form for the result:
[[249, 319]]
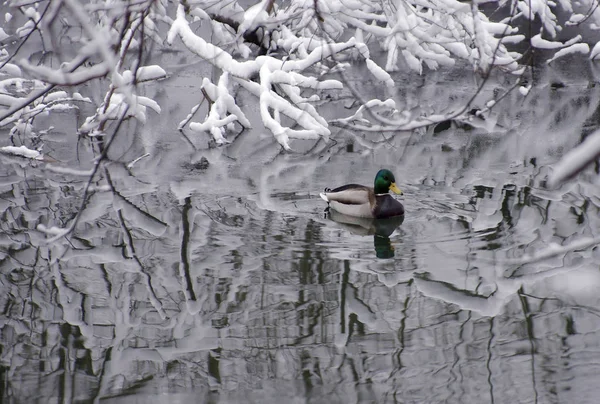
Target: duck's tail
[[323, 194]]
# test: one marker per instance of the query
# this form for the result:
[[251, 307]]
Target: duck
[[362, 201]]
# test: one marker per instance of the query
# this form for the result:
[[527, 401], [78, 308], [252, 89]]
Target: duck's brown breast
[[387, 206]]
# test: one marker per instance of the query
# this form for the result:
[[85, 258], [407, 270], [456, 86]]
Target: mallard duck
[[361, 201]]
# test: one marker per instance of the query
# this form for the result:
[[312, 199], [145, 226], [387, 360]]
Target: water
[[214, 275]]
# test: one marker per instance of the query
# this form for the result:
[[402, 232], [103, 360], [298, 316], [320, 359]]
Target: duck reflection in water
[[381, 229]]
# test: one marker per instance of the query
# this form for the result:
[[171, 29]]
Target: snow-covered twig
[[22, 151], [223, 110], [65, 78]]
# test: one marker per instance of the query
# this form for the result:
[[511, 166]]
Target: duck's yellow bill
[[394, 188]]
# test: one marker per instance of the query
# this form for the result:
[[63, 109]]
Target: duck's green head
[[385, 182]]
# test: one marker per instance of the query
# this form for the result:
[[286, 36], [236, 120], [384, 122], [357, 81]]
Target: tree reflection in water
[[223, 282]]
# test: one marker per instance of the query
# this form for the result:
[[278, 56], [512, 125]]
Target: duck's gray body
[[361, 201]]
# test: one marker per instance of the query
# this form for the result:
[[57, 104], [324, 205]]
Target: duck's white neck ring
[[382, 194]]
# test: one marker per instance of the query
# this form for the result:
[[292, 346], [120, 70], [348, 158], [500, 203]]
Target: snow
[[296, 79], [576, 48], [268, 101], [63, 78], [145, 73], [542, 10], [595, 51], [576, 19], [31, 13], [26, 29], [513, 39], [576, 160], [7, 100], [55, 96], [254, 16], [412, 61], [207, 51], [496, 28], [22, 151], [222, 112], [524, 90], [11, 70], [373, 106], [379, 73], [540, 43], [79, 97], [119, 103]]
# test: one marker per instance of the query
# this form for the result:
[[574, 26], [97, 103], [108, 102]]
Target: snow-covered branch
[[272, 73], [278, 52], [222, 112]]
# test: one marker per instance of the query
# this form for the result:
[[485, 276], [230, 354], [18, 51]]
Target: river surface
[[214, 275]]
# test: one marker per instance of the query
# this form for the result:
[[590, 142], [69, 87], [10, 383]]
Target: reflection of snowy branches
[[577, 159]]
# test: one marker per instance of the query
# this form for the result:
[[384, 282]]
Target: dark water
[[214, 276]]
